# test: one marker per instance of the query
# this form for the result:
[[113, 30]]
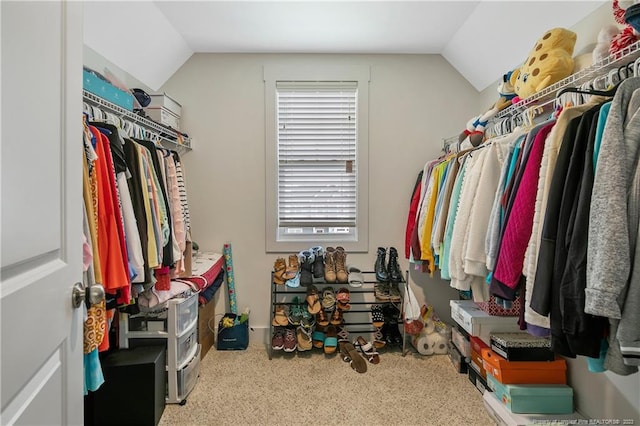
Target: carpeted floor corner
[[246, 388]]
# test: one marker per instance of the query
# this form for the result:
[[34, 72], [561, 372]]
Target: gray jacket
[[611, 253]]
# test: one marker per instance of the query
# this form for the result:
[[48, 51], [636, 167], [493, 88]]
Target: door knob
[[90, 295]]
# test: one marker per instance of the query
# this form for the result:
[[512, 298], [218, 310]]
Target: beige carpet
[[246, 388]]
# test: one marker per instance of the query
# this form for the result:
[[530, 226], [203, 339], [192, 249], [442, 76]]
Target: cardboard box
[[477, 322], [461, 342], [478, 381], [162, 100], [503, 417], [164, 117], [533, 399], [93, 84], [521, 372], [457, 359], [188, 256], [206, 336], [521, 346]]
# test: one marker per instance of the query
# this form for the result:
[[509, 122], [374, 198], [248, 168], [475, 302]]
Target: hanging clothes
[[611, 265]]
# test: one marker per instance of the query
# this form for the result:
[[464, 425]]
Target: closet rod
[[603, 66], [160, 131]]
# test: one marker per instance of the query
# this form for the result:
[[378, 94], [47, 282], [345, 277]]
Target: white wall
[[415, 100]]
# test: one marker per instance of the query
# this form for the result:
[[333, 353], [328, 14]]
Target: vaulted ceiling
[[481, 39]]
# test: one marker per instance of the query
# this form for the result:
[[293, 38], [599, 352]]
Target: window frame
[[359, 240]]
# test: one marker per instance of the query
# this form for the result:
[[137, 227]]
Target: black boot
[[306, 263], [395, 275], [318, 264], [380, 268]]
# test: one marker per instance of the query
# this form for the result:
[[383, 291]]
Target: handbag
[[411, 319], [234, 337]]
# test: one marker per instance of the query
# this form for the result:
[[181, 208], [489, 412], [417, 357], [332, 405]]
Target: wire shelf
[[165, 135], [629, 53]]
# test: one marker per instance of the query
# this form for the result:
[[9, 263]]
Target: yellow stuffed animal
[[549, 61]]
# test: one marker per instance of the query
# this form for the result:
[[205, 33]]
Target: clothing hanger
[[609, 93]]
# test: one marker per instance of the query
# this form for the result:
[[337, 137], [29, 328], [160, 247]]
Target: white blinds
[[316, 153]]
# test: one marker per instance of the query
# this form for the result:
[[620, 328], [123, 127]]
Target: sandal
[[343, 299], [378, 339], [295, 312], [318, 337], [279, 268], [307, 321], [343, 334], [328, 298], [336, 318], [350, 354], [305, 342], [313, 303], [322, 318], [330, 340], [367, 350], [377, 317], [280, 316]]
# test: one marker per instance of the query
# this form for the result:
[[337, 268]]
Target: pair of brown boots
[[283, 272], [335, 265]]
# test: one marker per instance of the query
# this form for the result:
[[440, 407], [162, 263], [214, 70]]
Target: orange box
[[524, 372], [477, 364]]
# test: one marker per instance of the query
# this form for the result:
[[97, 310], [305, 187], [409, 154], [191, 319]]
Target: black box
[[134, 389], [478, 381], [458, 361], [521, 346]]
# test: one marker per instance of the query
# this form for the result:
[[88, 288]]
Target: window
[[316, 163]]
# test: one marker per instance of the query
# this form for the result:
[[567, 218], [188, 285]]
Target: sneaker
[[290, 341], [277, 341]]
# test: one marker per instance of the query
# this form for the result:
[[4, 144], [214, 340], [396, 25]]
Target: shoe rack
[[281, 294]]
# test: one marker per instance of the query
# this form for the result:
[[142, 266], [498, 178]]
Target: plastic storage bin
[[185, 345], [186, 313], [461, 342], [188, 376]]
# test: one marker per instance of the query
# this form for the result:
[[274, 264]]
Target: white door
[[41, 258]]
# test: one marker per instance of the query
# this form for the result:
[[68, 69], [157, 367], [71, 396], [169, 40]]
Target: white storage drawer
[[186, 312], [477, 322], [185, 345], [188, 376], [165, 101]]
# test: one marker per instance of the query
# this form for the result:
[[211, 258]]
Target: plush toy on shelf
[[549, 61], [476, 126]]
